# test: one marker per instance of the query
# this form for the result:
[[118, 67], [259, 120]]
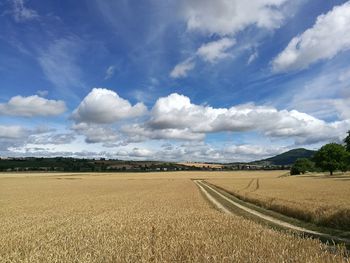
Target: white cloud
[[328, 36], [194, 151], [105, 106], [96, 133], [176, 112], [210, 52], [139, 133], [52, 138], [109, 72], [32, 106], [12, 132], [22, 13], [253, 151], [16, 136], [174, 119], [136, 152], [225, 17], [215, 50], [181, 70]]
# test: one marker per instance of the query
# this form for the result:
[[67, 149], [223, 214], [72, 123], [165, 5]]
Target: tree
[[347, 142], [301, 166], [331, 157]]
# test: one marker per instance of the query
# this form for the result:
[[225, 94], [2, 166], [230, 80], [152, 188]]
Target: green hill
[[287, 158]]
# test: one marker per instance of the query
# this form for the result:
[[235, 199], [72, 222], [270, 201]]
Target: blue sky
[[173, 80]]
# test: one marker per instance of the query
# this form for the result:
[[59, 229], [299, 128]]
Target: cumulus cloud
[[215, 50], [329, 36], [181, 70], [21, 13], [141, 132], [32, 106], [176, 119], [176, 112], [105, 106], [96, 134], [225, 18]]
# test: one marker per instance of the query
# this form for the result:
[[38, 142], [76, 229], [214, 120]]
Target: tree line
[[330, 157]]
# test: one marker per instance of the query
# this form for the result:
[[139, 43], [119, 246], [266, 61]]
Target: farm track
[[224, 201]]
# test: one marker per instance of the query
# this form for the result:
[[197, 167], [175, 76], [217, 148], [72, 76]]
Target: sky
[[184, 80]]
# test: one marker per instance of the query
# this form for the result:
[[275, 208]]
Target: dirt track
[[204, 187]]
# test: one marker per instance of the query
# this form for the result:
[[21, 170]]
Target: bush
[[301, 166]]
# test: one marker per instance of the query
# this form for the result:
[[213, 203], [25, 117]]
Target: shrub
[[301, 166]]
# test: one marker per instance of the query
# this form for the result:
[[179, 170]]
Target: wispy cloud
[[210, 52], [42, 93], [224, 20], [253, 57], [21, 13], [215, 50], [59, 63], [110, 72], [181, 70]]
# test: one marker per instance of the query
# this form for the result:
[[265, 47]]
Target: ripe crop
[[159, 217], [317, 198]]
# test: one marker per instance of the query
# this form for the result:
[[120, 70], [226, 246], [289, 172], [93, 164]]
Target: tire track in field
[[249, 184], [256, 187], [216, 201]]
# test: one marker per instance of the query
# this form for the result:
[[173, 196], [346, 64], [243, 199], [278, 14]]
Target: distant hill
[[287, 158]]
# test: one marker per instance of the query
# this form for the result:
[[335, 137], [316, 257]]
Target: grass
[[316, 198], [153, 217]]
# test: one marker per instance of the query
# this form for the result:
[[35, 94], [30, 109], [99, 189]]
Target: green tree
[[347, 142], [301, 166], [331, 157]]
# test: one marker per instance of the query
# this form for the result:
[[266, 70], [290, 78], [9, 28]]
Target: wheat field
[[317, 198], [154, 217]]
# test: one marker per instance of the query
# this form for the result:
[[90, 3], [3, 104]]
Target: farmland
[[317, 198], [153, 217]]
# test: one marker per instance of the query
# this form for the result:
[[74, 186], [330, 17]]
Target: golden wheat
[[321, 199], [158, 217]]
